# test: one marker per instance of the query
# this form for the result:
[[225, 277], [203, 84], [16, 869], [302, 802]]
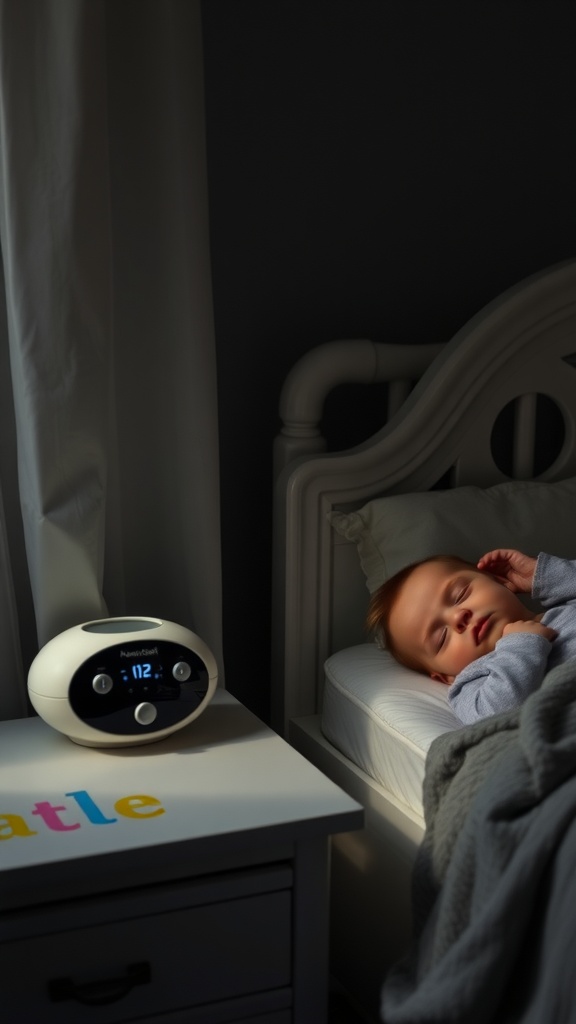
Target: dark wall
[[376, 169]]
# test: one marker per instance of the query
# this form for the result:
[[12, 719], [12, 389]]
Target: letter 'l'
[[92, 812]]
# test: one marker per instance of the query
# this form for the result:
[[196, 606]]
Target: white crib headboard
[[521, 345]]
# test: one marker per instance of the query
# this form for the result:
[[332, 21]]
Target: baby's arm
[[502, 680], [512, 568], [554, 580]]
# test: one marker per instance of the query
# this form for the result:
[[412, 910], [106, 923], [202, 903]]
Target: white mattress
[[384, 717]]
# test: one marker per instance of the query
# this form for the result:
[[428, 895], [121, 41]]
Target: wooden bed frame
[[443, 402]]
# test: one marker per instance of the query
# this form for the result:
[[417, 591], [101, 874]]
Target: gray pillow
[[468, 521]]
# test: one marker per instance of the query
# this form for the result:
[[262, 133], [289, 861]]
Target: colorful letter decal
[[62, 818]]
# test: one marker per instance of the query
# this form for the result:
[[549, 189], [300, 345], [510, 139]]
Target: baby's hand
[[512, 568], [530, 626]]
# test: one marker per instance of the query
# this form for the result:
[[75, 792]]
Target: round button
[[102, 683], [181, 671], [145, 713]]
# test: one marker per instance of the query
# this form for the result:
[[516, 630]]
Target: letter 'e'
[[133, 806]]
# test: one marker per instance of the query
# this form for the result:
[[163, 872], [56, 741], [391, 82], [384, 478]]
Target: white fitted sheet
[[384, 718]]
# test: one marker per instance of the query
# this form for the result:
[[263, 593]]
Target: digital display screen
[[141, 670]]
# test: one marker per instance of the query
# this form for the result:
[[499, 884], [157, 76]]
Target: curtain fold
[[56, 252], [108, 321]]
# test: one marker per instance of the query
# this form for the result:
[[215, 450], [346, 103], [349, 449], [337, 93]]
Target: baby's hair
[[384, 599]]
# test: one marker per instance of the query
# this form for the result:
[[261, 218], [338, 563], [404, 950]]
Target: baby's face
[[447, 616]]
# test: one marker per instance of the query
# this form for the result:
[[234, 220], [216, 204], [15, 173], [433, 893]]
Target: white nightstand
[[183, 882]]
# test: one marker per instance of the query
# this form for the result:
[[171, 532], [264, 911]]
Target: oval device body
[[122, 681]]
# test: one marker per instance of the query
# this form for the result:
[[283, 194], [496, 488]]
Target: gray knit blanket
[[494, 886]]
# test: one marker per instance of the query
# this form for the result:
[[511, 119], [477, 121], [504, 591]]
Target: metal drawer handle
[[97, 993]]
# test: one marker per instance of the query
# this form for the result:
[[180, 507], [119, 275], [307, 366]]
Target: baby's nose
[[461, 619]]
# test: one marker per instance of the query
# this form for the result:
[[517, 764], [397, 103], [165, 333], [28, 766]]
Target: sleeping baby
[[464, 625]]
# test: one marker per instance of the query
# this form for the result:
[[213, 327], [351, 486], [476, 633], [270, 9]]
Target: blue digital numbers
[[142, 671]]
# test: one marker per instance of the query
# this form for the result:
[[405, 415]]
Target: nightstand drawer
[[123, 969]]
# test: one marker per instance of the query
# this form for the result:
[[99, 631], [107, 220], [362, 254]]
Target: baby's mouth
[[481, 628]]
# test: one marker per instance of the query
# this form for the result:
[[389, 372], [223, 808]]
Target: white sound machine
[[122, 681]]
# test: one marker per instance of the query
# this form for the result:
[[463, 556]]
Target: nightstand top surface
[[223, 775]]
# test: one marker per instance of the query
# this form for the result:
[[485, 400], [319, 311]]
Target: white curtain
[[108, 418]]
